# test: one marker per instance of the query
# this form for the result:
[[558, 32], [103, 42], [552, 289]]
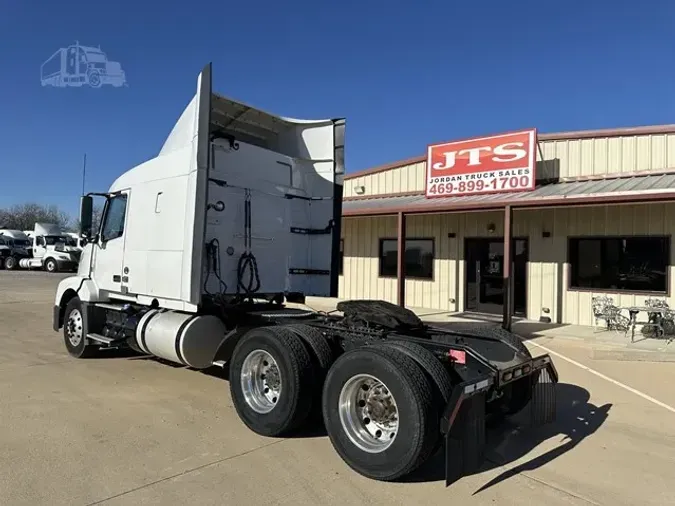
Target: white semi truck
[[253, 203], [51, 250]]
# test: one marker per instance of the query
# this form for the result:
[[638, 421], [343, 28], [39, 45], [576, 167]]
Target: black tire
[[297, 379], [73, 325], [438, 375], [316, 342], [11, 263], [322, 358], [432, 367], [51, 265], [94, 79], [417, 415]]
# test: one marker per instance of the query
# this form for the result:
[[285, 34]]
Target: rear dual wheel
[[380, 404], [272, 380], [379, 411]]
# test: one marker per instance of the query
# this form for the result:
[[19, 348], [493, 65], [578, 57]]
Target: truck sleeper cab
[[256, 203]]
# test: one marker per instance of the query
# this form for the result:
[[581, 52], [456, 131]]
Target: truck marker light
[[457, 356]]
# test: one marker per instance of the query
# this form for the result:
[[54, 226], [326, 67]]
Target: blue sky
[[404, 74]]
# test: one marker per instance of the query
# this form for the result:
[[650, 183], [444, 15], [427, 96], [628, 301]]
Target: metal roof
[[637, 188]]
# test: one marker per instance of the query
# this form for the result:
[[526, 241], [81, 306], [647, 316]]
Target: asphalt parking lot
[[129, 431]]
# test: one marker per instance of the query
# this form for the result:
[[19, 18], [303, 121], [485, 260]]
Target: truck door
[[39, 246], [72, 66], [109, 250]]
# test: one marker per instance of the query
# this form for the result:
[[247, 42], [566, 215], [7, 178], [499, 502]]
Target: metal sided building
[[570, 216]]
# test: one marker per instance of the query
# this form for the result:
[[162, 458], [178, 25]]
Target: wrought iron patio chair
[[665, 319], [605, 310]]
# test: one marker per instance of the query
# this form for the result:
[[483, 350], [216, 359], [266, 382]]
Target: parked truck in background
[[14, 247], [75, 240], [254, 203], [51, 250]]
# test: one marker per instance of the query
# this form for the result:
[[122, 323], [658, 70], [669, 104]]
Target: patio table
[[657, 322]]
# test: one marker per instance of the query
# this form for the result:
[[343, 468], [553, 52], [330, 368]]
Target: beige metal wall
[[562, 159], [547, 268]]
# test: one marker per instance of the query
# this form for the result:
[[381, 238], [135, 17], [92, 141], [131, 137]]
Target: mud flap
[[543, 405], [463, 425]]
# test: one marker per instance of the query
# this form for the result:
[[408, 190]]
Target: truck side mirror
[[86, 213]]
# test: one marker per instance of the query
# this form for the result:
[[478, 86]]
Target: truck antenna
[[84, 171]]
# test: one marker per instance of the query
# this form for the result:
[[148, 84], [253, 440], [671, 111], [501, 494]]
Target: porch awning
[[658, 187]]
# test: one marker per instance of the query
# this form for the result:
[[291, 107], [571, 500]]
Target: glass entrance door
[[485, 275]]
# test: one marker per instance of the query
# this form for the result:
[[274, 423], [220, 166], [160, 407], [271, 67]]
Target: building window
[[633, 264], [419, 258], [341, 264]]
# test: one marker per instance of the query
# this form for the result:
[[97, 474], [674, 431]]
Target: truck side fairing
[[220, 154]]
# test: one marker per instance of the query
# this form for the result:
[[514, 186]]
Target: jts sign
[[500, 163]]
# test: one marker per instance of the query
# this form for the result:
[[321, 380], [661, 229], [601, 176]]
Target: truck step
[[106, 305], [104, 340]]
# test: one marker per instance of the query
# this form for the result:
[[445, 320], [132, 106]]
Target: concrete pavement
[[132, 431]]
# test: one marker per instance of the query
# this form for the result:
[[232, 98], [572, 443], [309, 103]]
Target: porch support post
[[508, 278], [400, 265]]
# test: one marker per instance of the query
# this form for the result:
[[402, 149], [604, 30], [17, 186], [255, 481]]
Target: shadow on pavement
[[115, 353], [576, 420]]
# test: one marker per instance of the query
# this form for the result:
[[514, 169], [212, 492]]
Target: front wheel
[[379, 412], [74, 331], [11, 263], [94, 79], [50, 265]]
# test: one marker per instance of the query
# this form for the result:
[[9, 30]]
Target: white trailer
[[254, 203]]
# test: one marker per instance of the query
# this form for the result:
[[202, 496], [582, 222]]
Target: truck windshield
[[95, 57], [21, 243], [52, 240]]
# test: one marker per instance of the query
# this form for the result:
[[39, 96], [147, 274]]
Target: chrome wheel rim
[[74, 327], [261, 381], [368, 413]]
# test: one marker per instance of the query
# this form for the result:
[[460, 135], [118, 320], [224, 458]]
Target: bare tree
[[24, 216]]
